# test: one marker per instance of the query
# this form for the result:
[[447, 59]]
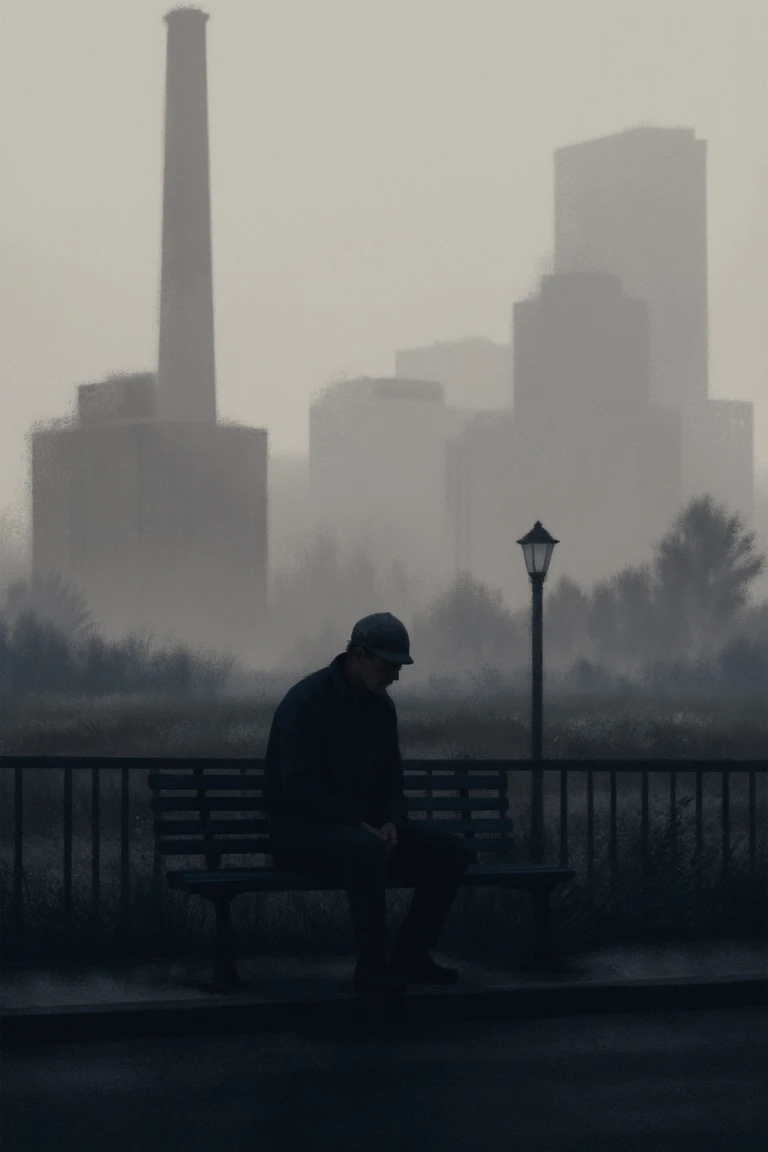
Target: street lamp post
[[537, 548]]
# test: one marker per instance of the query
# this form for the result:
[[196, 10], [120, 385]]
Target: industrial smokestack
[[186, 363]]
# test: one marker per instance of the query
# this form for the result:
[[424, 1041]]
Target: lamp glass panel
[[541, 555]]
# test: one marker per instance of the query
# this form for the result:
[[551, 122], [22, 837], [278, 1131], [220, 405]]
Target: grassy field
[[484, 725], [678, 896]]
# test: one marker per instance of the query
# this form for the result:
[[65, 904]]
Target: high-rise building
[[157, 512], [634, 205], [290, 513], [377, 470], [718, 453], [587, 453], [481, 499], [475, 372]]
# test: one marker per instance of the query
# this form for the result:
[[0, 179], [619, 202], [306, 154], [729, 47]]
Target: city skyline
[[281, 338]]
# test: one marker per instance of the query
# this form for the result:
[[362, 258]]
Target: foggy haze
[[388, 297]]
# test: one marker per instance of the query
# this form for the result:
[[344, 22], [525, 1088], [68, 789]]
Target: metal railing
[[541, 849]]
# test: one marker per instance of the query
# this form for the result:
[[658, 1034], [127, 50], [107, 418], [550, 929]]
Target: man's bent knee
[[365, 850]]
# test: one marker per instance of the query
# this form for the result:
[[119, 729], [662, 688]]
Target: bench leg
[[225, 974], [545, 955]]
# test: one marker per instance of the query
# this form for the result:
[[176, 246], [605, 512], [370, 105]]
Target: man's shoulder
[[309, 689]]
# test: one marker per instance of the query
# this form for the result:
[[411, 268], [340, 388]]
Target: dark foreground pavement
[[670, 1081]]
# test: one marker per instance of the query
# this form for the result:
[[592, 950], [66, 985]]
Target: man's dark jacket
[[333, 757]]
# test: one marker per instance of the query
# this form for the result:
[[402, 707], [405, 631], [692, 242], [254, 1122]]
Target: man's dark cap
[[385, 636]]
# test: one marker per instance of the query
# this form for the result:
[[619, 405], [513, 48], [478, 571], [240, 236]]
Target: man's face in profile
[[375, 673]]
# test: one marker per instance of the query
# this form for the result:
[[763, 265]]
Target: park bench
[[208, 811]]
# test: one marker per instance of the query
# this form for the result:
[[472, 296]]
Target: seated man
[[335, 782]]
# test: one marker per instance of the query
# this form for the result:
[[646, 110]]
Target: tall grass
[[677, 896], [675, 899]]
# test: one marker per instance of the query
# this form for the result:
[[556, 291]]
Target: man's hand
[[387, 832]]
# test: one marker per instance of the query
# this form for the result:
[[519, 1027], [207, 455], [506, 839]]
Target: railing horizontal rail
[[97, 825], [231, 763]]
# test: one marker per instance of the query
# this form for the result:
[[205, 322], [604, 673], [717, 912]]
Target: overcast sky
[[381, 177]]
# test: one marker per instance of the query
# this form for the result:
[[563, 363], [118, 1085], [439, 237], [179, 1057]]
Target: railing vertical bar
[[18, 857], [614, 832], [699, 814], [67, 850], [752, 822], [464, 812], [95, 845], [590, 825], [157, 883], [537, 813], [504, 813], [673, 816], [644, 822], [563, 818], [157, 886], [726, 783], [124, 841]]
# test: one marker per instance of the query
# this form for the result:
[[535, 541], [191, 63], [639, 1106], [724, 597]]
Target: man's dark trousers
[[426, 858]]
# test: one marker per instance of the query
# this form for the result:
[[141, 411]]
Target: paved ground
[[311, 977], [692, 1081]]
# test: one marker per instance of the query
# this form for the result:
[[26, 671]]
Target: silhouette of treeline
[[48, 644], [684, 621], [684, 615]]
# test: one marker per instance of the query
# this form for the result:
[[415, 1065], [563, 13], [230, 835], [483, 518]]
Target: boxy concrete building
[[161, 524], [377, 457]]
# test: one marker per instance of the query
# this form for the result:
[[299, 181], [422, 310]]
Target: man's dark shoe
[[377, 982], [421, 969]]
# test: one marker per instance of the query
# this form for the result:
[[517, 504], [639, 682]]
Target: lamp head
[[537, 548]]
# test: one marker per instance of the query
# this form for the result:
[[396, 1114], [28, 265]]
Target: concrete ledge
[[221, 1014]]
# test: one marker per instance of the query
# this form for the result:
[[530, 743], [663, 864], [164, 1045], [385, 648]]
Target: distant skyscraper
[[587, 452], [718, 453], [290, 513], [377, 469], [186, 362], [635, 205], [475, 372]]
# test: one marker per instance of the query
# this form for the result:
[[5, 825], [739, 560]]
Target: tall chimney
[[186, 365]]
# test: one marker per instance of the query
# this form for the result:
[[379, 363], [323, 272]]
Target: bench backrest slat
[[441, 791]]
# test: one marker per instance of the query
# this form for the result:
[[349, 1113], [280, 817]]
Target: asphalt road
[[675, 1081]]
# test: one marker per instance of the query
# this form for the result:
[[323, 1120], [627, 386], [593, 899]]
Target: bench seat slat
[[188, 782], [260, 804], [495, 844], [498, 825], [245, 847], [453, 780], [269, 879], [254, 780], [259, 845], [453, 803], [208, 804], [210, 827]]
